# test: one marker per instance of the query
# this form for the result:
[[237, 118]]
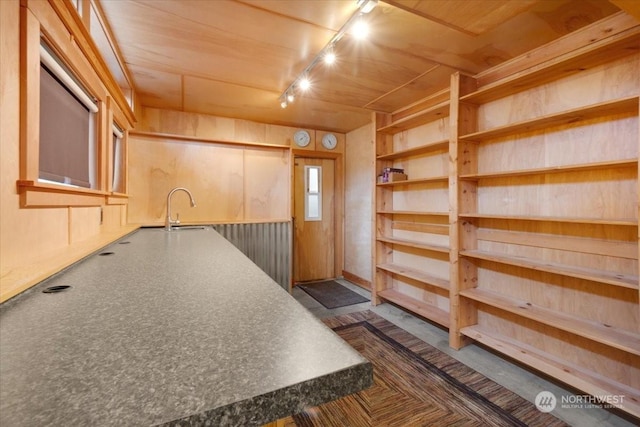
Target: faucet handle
[[177, 221]]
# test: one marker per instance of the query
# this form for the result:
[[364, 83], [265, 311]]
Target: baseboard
[[357, 280]]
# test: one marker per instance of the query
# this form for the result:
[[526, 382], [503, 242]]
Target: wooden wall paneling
[[358, 209], [245, 130], [266, 180], [213, 173], [35, 242], [229, 182], [113, 217], [84, 223], [30, 95], [171, 122], [281, 135]]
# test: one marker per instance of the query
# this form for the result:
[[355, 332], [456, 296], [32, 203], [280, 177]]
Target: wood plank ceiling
[[234, 58]]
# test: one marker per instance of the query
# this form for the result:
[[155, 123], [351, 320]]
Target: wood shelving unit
[[417, 306], [610, 278], [415, 181], [539, 243], [541, 213], [577, 220], [414, 244], [421, 149], [627, 105], [412, 215], [552, 169], [419, 113], [600, 332], [583, 379]]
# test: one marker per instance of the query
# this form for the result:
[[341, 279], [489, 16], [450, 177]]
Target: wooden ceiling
[[234, 58]]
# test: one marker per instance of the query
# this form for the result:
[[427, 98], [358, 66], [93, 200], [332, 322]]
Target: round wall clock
[[302, 138], [329, 141]]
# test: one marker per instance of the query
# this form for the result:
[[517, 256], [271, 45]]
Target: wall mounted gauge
[[301, 138], [329, 141]]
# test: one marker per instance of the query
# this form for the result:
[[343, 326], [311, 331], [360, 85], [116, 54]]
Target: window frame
[[39, 20], [116, 118], [309, 192]]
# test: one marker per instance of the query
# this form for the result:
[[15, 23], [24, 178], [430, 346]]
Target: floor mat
[[332, 294]]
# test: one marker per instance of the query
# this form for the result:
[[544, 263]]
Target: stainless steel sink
[[187, 227]]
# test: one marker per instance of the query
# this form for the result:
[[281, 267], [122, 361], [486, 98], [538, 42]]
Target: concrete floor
[[514, 377]]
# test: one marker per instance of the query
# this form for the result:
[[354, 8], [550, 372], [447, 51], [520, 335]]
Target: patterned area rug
[[416, 384]]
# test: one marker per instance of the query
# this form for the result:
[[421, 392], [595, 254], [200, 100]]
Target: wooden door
[[314, 219]]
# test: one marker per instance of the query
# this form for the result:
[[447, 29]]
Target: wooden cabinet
[[541, 230]]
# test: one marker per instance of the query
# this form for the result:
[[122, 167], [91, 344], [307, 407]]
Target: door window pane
[[313, 193]]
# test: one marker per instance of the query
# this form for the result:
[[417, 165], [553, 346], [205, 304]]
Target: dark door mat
[[332, 294]]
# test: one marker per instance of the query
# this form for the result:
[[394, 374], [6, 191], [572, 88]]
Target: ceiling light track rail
[[326, 54]]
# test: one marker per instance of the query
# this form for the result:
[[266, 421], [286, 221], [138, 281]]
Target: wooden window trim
[[39, 19]]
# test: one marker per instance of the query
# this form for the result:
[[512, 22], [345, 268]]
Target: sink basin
[[188, 227]]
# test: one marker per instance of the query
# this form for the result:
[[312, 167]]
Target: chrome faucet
[[168, 221]]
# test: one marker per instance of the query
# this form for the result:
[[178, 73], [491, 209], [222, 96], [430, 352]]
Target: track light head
[[305, 84]]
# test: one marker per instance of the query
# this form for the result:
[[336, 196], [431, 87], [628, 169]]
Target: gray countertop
[[172, 327]]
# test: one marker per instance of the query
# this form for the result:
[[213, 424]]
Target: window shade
[[64, 134]]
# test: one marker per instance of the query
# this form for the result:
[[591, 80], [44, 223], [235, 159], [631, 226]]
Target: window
[[117, 182], [313, 193], [68, 142]]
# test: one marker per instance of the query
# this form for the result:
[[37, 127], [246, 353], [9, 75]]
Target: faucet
[[168, 221]]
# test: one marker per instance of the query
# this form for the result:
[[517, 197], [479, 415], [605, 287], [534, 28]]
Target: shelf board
[[560, 369], [416, 213], [554, 169], [618, 106], [414, 181], [414, 244], [430, 114], [422, 149], [624, 222], [615, 279], [614, 337], [595, 53], [414, 274], [425, 310]]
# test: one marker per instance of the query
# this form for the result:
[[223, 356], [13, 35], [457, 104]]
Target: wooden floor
[[518, 379]]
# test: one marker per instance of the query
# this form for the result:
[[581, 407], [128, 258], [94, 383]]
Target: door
[[314, 219]]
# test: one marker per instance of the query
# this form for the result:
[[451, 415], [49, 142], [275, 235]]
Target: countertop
[[175, 328]]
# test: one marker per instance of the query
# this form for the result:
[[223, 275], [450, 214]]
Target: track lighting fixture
[[329, 57], [367, 6], [327, 54]]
